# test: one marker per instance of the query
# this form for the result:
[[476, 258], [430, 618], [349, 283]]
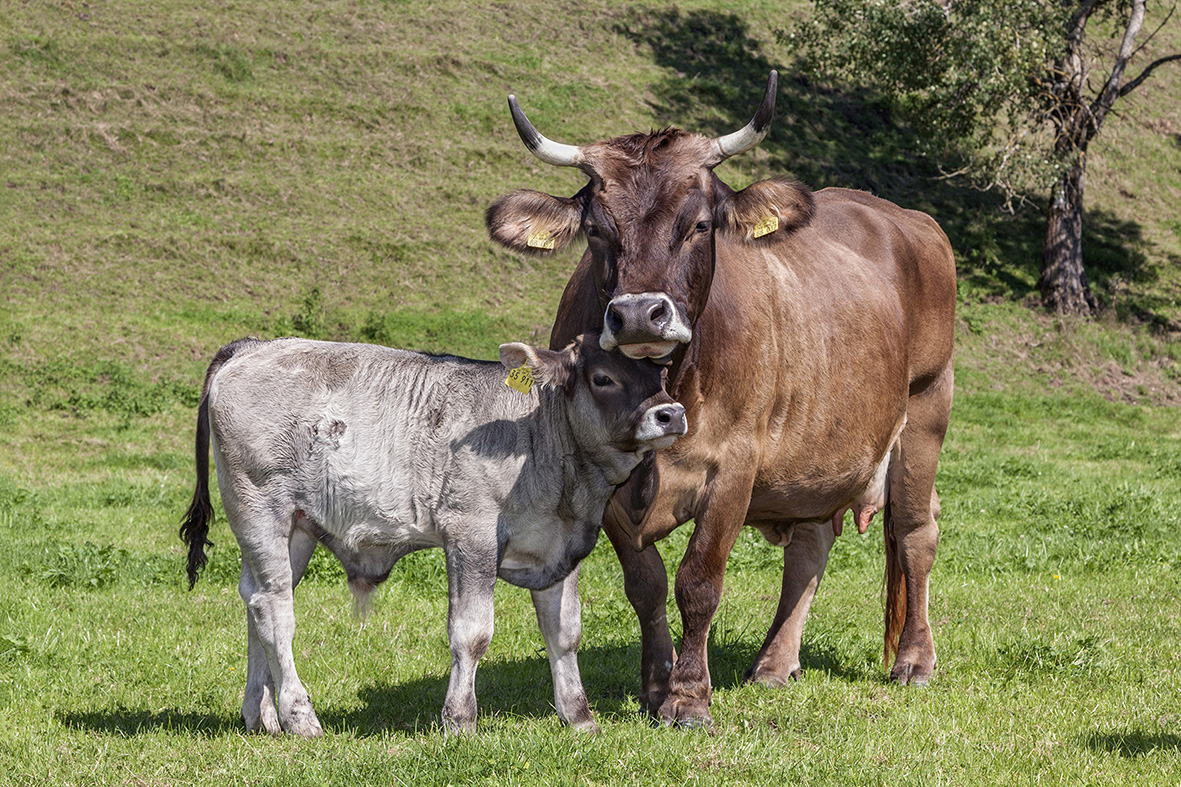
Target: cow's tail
[[895, 587], [194, 529]]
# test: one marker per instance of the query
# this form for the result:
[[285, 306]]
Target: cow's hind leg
[[911, 532], [560, 618], [804, 560], [266, 586], [259, 710]]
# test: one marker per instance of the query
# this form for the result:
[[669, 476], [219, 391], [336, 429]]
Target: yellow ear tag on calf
[[521, 379], [540, 239], [766, 225]]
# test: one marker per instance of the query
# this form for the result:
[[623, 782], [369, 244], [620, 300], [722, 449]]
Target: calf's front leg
[[559, 615], [471, 577]]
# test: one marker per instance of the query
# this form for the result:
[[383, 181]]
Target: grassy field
[[174, 177]]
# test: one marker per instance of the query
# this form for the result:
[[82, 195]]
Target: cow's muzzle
[[643, 325]]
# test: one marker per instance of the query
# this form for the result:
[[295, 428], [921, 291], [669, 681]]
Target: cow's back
[[355, 433], [808, 349]]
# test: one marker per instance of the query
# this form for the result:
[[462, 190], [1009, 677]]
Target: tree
[[1005, 86]]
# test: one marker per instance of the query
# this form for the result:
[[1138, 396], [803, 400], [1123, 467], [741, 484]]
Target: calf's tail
[[194, 529]]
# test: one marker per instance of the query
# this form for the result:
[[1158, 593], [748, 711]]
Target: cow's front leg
[[559, 616], [698, 593], [645, 581], [804, 560], [471, 576]]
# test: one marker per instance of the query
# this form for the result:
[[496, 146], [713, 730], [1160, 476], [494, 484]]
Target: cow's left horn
[[547, 150], [753, 132]]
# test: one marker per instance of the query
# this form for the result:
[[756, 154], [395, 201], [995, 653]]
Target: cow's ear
[[534, 223], [766, 208], [547, 366]]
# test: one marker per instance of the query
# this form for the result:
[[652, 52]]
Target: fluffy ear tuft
[[548, 367], [767, 208], [531, 222]]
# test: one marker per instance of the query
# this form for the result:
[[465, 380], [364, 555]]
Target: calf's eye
[[702, 227], [602, 380]]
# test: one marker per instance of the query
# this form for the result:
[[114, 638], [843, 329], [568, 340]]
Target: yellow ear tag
[[540, 239], [766, 225], [521, 379]]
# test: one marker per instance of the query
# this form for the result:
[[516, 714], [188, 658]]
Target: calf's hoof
[[304, 724], [453, 725]]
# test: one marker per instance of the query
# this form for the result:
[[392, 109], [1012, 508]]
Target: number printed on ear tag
[[540, 239], [520, 379], [766, 225]]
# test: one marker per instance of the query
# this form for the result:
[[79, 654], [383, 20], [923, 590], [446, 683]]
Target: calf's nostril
[[664, 416], [614, 319]]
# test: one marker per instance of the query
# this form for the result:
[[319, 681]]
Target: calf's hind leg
[[259, 710], [266, 586]]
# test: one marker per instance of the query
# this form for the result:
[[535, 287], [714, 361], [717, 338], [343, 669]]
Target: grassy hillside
[[176, 176]]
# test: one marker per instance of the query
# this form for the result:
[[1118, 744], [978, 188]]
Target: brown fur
[[811, 345]]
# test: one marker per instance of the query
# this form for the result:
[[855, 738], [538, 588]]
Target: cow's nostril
[[656, 312], [614, 319]]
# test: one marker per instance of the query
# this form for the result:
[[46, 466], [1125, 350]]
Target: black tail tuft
[[194, 530]]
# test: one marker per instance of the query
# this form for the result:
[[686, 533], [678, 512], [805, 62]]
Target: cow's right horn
[[753, 132], [547, 150]]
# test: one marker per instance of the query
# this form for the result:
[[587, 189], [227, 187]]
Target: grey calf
[[375, 453]]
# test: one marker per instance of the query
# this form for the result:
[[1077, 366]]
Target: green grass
[[175, 177]]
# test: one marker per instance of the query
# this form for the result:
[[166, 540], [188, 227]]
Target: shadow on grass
[[837, 136], [126, 722], [1131, 744], [518, 687]]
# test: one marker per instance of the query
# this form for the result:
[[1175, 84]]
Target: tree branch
[[1135, 83], [1111, 91]]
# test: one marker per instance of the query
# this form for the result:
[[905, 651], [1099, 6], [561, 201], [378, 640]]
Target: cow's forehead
[[641, 172]]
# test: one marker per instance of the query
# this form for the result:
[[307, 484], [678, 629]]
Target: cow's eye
[[602, 381], [592, 231], [702, 227]]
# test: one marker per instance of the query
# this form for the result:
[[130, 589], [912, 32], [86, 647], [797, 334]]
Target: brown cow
[[810, 339]]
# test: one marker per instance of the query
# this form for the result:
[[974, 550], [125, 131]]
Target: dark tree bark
[[1063, 282]]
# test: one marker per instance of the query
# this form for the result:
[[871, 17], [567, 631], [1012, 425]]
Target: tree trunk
[[1063, 282]]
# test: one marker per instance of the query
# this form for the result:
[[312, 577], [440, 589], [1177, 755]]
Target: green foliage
[[88, 566], [964, 75]]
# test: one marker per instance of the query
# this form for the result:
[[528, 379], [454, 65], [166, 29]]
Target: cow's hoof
[[908, 673], [686, 714], [650, 702], [770, 678]]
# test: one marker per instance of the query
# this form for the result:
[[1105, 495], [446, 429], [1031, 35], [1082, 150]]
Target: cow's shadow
[[517, 687], [840, 135], [1131, 743]]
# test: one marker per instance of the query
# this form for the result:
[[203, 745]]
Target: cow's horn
[[547, 150], [753, 132]]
